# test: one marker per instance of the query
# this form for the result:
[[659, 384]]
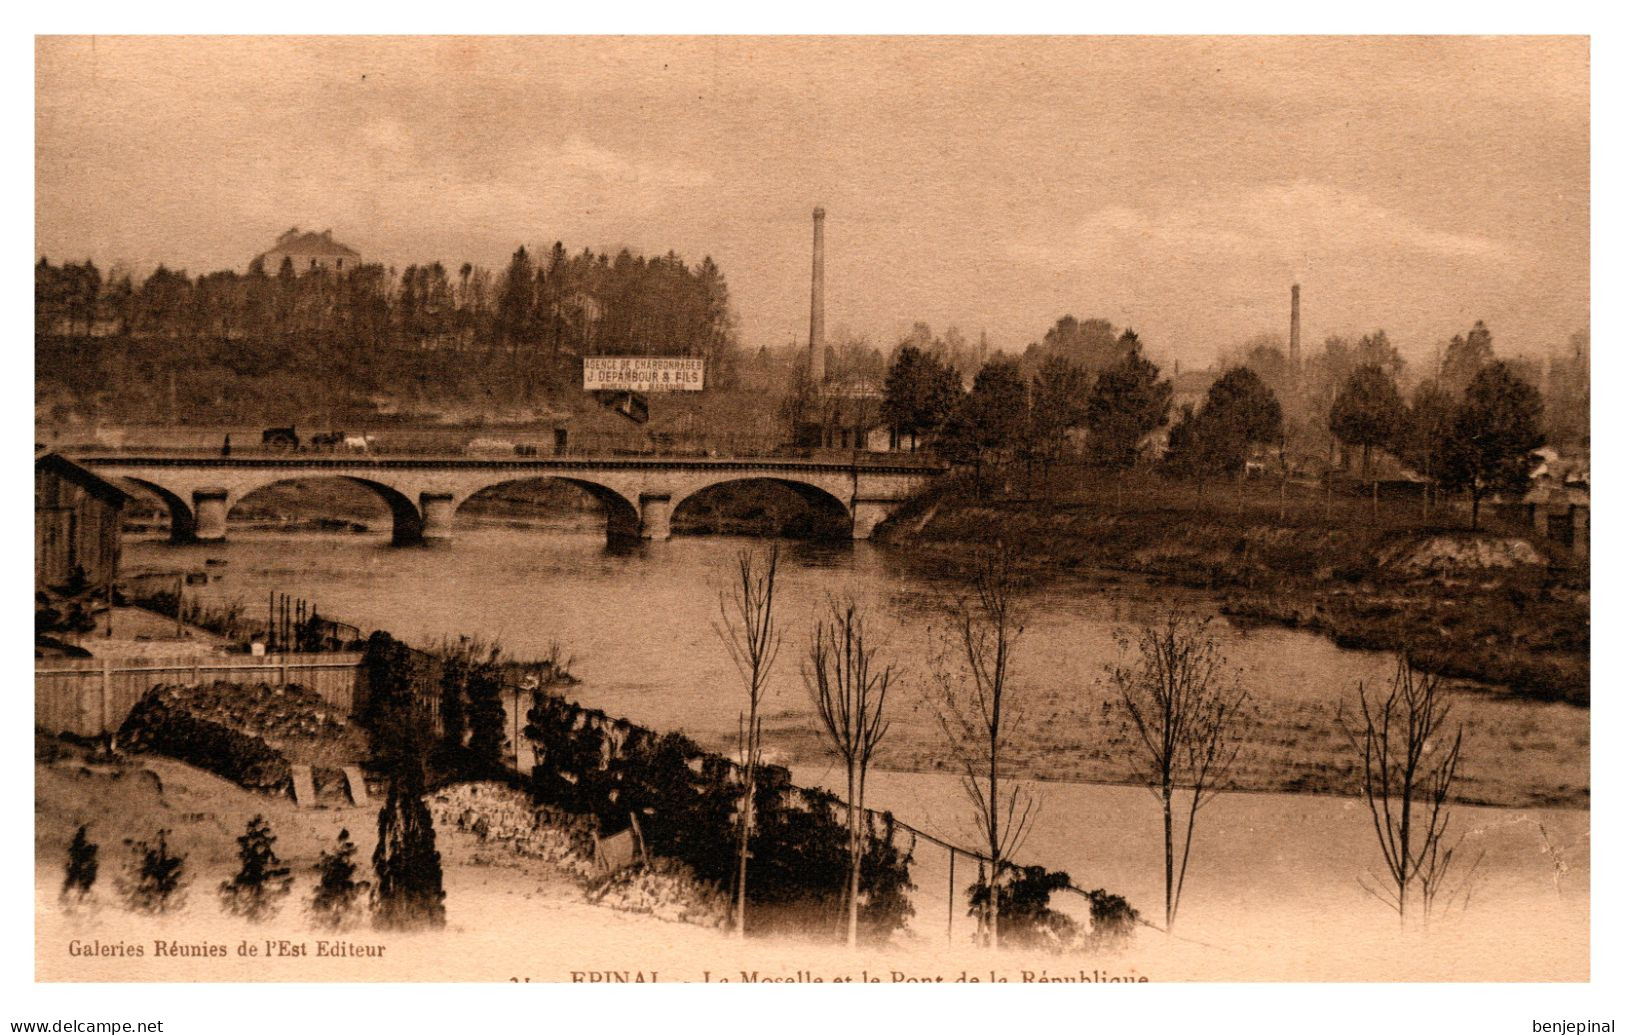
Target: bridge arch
[[182, 519], [826, 515], [406, 519], [622, 516]]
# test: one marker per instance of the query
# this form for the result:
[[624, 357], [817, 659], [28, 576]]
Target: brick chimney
[[1292, 348], [815, 337]]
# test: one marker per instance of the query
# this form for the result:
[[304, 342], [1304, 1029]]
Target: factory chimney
[[1292, 348], [815, 337]]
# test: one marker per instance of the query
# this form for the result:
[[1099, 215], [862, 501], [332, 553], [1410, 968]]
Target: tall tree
[[1408, 760], [1060, 393], [1128, 402], [1267, 359], [848, 687], [987, 424], [409, 892], [798, 409], [517, 301], [1092, 344], [919, 393], [1464, 357], [1493, 437], [50, 298], [1239, 412], [1428, 423], [1188, 715], [749, 630], [1568, 395], [978, 707], [1367, 412], [84, 291], [1376, 351]]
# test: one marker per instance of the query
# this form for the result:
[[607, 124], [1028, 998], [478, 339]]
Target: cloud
[[608, 167], [574, 189], [1300, 224]]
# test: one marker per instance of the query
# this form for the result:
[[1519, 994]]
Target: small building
[[847, 415], [77, 524], [306, 252]]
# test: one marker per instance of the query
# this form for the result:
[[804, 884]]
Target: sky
[[1175, 185]]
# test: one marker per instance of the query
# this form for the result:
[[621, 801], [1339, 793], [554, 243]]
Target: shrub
[[336, 904], [259, 887], [1025, 918], [1111, 921], [400, 682], [486, 718], [154, 881], [453, 681], [82, 865]]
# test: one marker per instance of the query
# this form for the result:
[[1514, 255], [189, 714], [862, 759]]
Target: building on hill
[[307, 251], [77, 522]]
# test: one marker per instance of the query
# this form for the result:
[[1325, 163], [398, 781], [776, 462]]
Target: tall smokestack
[[815, 337], [1292, 353]]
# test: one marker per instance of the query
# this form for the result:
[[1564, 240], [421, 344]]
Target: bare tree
[[1408, 764], [1187, 715], [747, 630], [976, 709], [849, 688]]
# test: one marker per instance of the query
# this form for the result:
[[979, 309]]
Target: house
[[77, 521], [306, 252], [847, 415]]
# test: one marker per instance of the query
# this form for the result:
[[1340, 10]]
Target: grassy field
[[1339, 566]]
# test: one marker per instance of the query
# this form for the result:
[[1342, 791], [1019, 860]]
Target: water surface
[[640, 626]]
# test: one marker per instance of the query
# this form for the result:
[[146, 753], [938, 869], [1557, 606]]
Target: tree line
[[225, 343], [1088, 391], [1309, 392]]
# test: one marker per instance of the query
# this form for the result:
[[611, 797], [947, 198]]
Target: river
[[640, 629]]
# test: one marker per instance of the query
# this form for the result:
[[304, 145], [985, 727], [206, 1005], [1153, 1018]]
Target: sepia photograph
[[812, 509]]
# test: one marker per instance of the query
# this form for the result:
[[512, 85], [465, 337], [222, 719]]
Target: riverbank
[[1486, 606]]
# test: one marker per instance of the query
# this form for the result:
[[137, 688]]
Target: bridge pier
[[182, 521], [438, 510], [209, 516], [867, 513], [654, 516]]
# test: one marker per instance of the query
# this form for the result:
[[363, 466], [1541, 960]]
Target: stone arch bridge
[[423, 493]]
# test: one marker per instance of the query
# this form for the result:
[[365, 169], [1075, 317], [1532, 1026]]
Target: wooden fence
[[92, 696]]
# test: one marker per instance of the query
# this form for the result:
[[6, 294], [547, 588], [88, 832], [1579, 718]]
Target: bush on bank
[[685, 801]]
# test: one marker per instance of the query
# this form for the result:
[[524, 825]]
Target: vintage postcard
[[812, 509]]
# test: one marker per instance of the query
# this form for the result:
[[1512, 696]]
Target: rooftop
[[311, 243]]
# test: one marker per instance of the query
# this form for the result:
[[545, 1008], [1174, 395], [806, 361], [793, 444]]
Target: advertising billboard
[[643, 373]]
